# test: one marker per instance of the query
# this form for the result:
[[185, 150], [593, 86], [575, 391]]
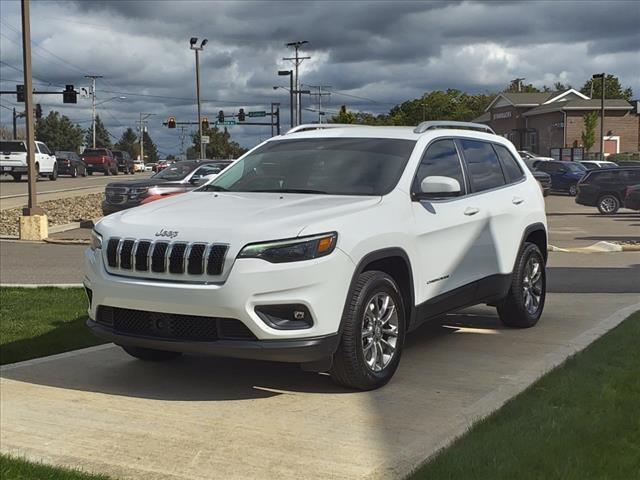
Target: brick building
[[546, 122]]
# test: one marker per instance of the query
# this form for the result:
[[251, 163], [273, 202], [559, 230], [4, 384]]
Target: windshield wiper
[[289, 190], [212, 188]]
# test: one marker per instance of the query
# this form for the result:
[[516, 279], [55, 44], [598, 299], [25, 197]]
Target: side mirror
[[436, 186]]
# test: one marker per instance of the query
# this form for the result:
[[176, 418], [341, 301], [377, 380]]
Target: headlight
[[136, 192], [96, 240], [292, 250]]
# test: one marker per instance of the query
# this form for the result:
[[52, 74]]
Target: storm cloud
[[372, 54]]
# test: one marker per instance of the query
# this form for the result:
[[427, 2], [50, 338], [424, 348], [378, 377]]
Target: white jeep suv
[[325, 247]]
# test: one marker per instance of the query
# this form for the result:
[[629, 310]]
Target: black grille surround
[[165, 257], [170, 326]]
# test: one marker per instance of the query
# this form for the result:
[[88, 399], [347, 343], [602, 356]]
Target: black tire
[[84, 172], [115, 171], [107, 171], [512, 309], [349, 365], [89, 172], [16, 177], [608, 204], [545, 193], [54, 174], [573, 190], [149, 354], [37, 171], [74, 172]]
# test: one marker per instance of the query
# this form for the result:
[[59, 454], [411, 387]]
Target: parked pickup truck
[[100, 160], [13, 160]]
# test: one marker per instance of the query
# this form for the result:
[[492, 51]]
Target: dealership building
[[551, 123]]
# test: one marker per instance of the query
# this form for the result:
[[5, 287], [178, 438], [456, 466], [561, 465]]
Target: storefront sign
[[497, 116]]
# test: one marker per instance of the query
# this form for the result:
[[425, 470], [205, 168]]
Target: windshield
[[575, 167], [336, 166], [12, 147], [176, 171]]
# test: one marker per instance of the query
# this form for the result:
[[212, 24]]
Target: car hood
[[140, 183], [232, 218]]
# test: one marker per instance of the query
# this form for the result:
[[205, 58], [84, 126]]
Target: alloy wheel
[[532, 285], [608, 204], [379, 331]]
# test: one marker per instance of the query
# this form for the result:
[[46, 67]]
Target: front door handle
[[471, 211], [517, 200]]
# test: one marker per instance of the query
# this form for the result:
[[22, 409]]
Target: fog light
[[285, 317]]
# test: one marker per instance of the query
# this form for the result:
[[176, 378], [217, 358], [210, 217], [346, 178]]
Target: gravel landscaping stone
[[59, 212]]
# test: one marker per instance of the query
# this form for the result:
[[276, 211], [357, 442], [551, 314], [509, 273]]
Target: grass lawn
[[18, 469], [579, 422], [39, 322]]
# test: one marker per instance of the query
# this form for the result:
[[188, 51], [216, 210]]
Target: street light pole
[[283, 73], [601, 76], [197, 49], [93, 105]]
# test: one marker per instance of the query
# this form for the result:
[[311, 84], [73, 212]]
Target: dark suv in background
[[564, 175], [606, 188], [125, 162]]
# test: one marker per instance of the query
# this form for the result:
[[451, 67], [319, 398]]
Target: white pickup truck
[[13, 160]]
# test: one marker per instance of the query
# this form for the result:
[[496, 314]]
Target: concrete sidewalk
[[208, 418]]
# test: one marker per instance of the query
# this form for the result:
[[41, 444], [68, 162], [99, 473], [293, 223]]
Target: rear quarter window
[[511, 167], [483, 164]]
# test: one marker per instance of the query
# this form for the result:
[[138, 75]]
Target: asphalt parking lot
[[198, 418]]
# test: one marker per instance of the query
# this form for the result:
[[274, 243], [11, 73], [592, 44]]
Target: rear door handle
[[517, 200], [471, 211]]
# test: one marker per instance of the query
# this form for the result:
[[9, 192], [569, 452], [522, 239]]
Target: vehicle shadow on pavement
[[194, 378]]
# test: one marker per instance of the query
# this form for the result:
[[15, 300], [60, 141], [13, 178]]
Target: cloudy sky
[[372, 54]]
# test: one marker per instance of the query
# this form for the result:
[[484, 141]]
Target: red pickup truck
[[100, 160]]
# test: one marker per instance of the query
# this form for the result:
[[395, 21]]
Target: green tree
[[612, 88], [150, 149], [58, 132], [589, 130], [102, 135], [219, 146], [343, 116], [128, 143]]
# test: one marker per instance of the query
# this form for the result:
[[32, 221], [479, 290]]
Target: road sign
[[205, 138], [226, 122], [257, 114]]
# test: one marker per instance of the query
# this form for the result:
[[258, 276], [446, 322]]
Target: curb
[[599, 247], [41, 285]]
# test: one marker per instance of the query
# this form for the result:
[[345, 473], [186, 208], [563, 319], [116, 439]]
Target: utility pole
[[93, 105], [297, 60], [320, 94], [32, 205], [197, 49], [284, 73], [15, 124], [602, 76]]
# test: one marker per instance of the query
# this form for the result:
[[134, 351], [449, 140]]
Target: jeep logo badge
[[167, 233]]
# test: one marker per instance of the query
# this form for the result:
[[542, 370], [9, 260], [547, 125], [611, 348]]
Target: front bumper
[[305, 350], [321, 285]]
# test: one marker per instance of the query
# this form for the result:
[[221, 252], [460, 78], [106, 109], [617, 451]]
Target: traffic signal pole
[[32, 205]]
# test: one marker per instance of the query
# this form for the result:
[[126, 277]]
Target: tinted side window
[[484, 167], [511, 167], [440, 159], [631, 176]]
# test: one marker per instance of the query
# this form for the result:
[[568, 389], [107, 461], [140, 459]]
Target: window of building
[[484, 167]]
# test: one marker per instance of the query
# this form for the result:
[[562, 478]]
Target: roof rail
[[424, 126], [320, 126]]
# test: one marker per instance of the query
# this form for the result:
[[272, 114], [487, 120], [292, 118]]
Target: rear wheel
[[74, 172], [608, 204], [53, 176], [373, 333], [84, 172], [573, 190], [149, 354], [522, 307], [89, 172], [107, 171]]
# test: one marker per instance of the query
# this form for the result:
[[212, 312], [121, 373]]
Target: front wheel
[[372, 335], [608, 204], [573, 190], [522, 307], [149, 354], [74, 172]]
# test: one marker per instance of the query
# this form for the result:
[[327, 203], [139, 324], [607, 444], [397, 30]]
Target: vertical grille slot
[[126, 261], [158, 263], [195, 264], [142, 255], [112, 251], [215, 259], [176, 259]]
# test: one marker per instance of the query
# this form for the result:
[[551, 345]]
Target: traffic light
[[241, 115], [20, 93], [38, 111], [171, 123], [205, 123], [69, 95], [221, 116]]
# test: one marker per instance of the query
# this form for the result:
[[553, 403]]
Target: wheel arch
[[535, 233], [395, 262]]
